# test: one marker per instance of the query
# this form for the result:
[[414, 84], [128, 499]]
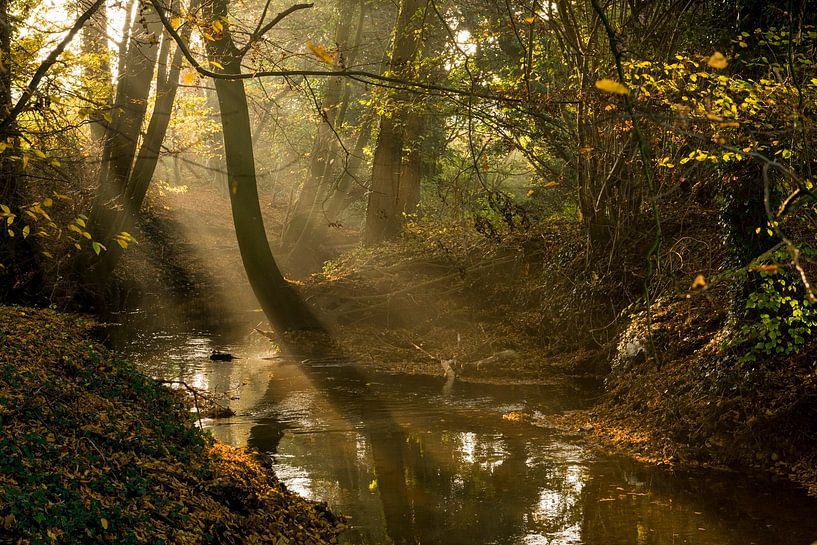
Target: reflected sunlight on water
[[410, 463]]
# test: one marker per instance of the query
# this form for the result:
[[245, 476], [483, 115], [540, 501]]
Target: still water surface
[[409, 460]]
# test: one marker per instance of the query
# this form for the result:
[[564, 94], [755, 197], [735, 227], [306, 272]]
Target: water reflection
[[409, 463]]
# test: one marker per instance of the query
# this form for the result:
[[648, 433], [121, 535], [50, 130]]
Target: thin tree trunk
[[96, 71], [122, 136], [300, 226], [349, 183]]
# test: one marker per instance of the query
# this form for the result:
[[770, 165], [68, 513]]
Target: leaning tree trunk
[[281, 303]]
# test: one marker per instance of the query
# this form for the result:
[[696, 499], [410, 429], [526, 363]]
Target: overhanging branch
[[28, 92]]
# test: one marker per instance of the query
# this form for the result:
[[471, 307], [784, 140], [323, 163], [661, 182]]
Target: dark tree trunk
[[281, 303], [384, 214]]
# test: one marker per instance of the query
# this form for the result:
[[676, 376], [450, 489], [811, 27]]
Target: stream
[[408, 460]]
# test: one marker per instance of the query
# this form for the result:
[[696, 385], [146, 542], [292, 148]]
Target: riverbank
[[94, 452], [532, 310], [535, 308]]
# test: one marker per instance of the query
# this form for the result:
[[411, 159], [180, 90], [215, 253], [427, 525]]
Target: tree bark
[[301, 226], [281, 303], [122, 136], [384, 216]]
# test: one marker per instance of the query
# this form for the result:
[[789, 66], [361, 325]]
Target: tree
[[396, 167], [281, 303]]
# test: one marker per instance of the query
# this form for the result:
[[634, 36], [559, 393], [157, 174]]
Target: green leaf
[[97, 247]]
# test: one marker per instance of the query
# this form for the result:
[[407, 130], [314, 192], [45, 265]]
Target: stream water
[[408, 460]]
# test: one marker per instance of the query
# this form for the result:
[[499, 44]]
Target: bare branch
[[260, 31]]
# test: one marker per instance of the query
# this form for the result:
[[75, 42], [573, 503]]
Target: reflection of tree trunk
[[384, 215], [389, 467], [280, 302]]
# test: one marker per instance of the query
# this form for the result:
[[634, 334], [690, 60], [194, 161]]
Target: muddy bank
[[95, 452], [531, 310]]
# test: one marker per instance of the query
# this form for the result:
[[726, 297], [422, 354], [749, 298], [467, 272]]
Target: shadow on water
[[410, 462]]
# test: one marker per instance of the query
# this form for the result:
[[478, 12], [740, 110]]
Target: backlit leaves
[[612, 86], [717, 61], [321, 52]]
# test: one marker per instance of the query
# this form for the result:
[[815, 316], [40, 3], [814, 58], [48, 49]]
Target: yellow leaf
[[55, 163], [530, 20], [47, 202], [217, 26], [188, 77], [25, 160], [39, 154], [176, 22], [611, 86], [26, 231], [217, 65], [3, 147], [699, 282], [321, 52], [717, 61], [373, 485], [103, 521], [551, 184]]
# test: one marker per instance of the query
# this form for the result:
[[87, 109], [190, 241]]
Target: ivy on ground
[[92, 451]]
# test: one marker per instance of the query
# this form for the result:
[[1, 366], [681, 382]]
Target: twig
[[189, 389]]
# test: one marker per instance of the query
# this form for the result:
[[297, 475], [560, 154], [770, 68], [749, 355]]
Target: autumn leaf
[[611, 86], [699, 282], [321, 52], [176, 23], [717, 61], [530, 20], [189, 77], [104, 523]]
